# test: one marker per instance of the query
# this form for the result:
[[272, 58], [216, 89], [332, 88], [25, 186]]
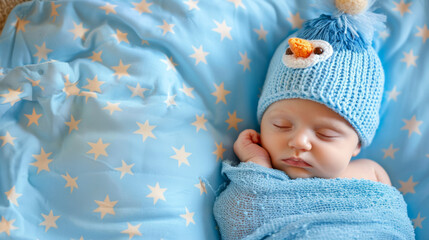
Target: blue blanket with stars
[[115, 115]]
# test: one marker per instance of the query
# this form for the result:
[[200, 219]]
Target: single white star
[[202, 186], [112, 107], [125, 169], [6, 226], [295, 20], [79, 31], [137, 91], [192, 4], [409, 58], [262, 34], [132, 230], [156, 193], [98, 148], [423, 32], [34, 83], [187, 91], [181, 156], [412, 125], [121, 70], [199, 55], [237, 3], [390, 152], [220, 93], [120, 36], [408, 186], [166, 28], [200, 122], [7, 139], [96, 57], [94, 84], [170, 63], [20, 24], [12, 97], [402, 7], [142, 7], [189, 216], [393, 94], [105, 207], [42, 161], [33, 118], [54, 12], [109, 8], [233, 120], [71, 182], [244, 61], [417, 222], [170, 100], [12, 196], [42, 52], [49, 221], [219, 151], [145, 130], [384, 34], [70, 88], [223, 29]]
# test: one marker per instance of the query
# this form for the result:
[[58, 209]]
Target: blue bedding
[[115, 115]]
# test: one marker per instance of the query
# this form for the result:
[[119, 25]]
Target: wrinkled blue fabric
[[262, 203]]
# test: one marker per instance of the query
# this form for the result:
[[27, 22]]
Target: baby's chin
[[296, 172]]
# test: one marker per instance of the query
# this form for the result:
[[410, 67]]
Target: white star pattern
[[12, 196], [189, 216], [423, 32], [223, 29], [42, 52], [245, 61], [181, 156], [199, 55], [192, 4], [409, 58], [408, 186], [171, 65], [237, 3], [166, 28], [402, 7], [157, 193], [262, 34], [412, 125], [390, 152], [295, 20], [393, 94], [78, 31]]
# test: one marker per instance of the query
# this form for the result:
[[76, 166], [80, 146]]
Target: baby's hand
[[247, 149]]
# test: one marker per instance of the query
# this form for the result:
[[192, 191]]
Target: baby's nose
[[300, 141]]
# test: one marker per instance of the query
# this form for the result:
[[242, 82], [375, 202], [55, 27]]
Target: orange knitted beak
[[300, 47]]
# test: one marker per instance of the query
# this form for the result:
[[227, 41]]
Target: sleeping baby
[[318, 108]]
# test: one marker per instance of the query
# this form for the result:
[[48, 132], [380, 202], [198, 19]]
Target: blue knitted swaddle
[[265, 203]]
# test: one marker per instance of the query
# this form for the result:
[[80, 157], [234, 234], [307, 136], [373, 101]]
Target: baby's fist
[[247, 148]]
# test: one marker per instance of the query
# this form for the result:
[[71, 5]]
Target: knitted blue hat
[[331, 61]]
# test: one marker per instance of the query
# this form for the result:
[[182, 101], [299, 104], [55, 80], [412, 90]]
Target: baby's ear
[[357, 150]]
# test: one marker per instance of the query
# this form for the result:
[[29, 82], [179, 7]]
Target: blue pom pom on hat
[[331, 61]]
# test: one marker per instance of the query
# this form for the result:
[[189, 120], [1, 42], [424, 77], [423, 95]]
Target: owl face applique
[[303, 53]]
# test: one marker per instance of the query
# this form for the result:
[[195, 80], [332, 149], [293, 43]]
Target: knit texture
[[263, 203], [5, 7], [350, 81]]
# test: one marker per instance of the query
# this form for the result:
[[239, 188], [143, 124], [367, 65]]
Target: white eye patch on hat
[[303, 53]]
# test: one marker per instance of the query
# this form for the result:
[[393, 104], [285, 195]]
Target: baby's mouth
[[296, 162]]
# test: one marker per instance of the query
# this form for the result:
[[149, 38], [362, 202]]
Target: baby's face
[[307, 139]]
